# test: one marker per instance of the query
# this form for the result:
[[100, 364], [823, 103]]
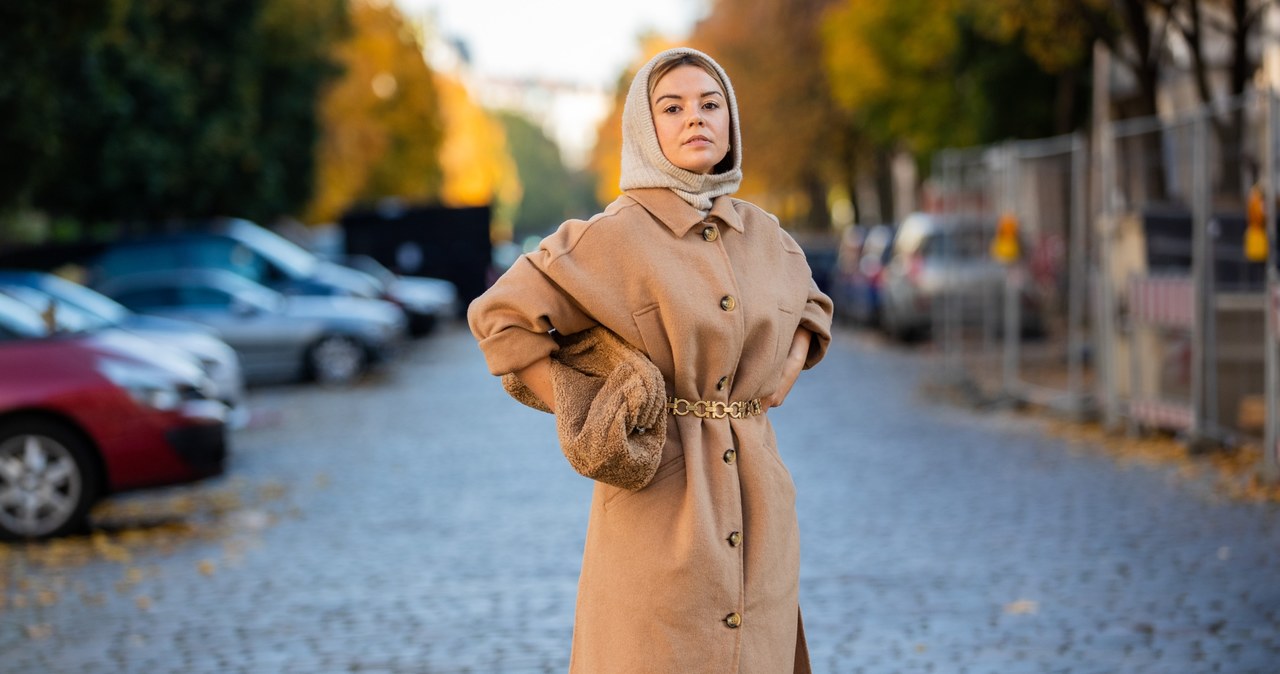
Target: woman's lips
[[698, 140]]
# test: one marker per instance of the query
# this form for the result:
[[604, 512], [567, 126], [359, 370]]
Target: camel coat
[[698, 571]]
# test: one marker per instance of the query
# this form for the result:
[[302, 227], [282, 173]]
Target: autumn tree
[[922, 75], [476, 165], [796, 138], [382, 126], [1142, 35], [1237, 23], [605, 161]]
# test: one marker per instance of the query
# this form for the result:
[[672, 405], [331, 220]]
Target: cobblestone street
[[423, 522]]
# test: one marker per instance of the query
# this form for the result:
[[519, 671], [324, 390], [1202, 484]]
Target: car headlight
[[147, 387]]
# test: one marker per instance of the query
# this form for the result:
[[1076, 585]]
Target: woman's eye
[[710, 105], [671, 108]]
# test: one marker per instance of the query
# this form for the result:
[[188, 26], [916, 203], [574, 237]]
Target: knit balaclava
[[644, 165]]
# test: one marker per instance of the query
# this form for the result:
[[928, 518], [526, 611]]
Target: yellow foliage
[[380, 128], [1052, 32], [793, 134], [478, 168], [869, 45], [606, 157]]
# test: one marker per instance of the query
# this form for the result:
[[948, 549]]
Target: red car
[[83, 415]]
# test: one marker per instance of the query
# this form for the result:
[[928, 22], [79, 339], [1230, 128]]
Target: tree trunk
[[884, 184], [815, 188], [1146, 67]]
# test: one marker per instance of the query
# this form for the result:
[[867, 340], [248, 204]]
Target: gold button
[[734, 539], [710, 233], [724, 381], [733, 620], [728, 303], [730, 455]]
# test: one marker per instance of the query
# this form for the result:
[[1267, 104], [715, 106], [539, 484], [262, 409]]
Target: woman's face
[[691, 117]]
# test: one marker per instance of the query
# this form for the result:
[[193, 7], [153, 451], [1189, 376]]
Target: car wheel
[[336, 360], [48, 480]]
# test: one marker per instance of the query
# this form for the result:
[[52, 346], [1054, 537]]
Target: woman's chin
[[698, 164]]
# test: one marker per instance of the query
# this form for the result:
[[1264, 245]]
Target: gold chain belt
[[714, 409]]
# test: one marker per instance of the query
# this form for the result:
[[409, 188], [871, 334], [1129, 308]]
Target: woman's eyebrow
[[704, 95]]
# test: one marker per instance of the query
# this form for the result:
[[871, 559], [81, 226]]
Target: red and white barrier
[[1162, 414], [1165, 301]]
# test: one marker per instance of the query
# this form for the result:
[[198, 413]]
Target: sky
[[587, 42]]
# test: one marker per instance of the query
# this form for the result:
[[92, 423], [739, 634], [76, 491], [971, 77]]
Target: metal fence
[[1149, 312], [1028, 339]]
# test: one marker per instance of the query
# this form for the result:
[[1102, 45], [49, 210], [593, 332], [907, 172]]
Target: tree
[[38, 41], [1201, 23], [382, 125], [605, 162], [549, 193], [794, 134], [921, 75], [153, 110], [478, 168]]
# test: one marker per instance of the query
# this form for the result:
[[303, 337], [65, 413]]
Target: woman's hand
[[791, 368], [538, 378]]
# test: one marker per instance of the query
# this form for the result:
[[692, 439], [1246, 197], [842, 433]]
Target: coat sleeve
[[817, 312], [512, 319], [816, 318]]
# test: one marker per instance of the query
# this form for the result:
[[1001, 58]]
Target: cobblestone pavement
[[424, 523]]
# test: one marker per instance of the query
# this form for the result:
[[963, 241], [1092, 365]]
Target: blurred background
[[237, 238], [1098, 140]]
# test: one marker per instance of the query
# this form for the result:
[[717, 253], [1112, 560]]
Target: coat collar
[[678, 215]]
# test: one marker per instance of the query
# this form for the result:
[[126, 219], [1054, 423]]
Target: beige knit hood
[[644, 165]]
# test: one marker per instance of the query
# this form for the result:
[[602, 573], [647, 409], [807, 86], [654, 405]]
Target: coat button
[[728, 303], [710, 233], [730, 455], [735, 538], [724, 381], [733, 620]]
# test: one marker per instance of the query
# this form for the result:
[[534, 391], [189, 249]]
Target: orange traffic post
[[1004, 247], [1255, 233]]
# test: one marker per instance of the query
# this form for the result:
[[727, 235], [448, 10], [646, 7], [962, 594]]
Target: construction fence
[[1131, 293]]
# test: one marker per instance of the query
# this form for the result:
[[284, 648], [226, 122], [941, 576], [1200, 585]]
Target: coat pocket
[[656, 344]]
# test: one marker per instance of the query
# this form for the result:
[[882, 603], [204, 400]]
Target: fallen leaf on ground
[[1022, 607], [38, 632]]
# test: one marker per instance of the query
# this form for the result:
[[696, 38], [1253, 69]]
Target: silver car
[[938, 256], [330, 339], [427, 301], [79, 309]]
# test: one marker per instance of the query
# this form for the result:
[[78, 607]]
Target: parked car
[[278, 337], [79, 308], [84, 415], [820, 253], [858, 273], [426, 301], [935, 258], [234, 245]]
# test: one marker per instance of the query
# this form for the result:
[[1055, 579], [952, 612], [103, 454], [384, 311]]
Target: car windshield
[[962, 244], [372, 267], [19, 320], [85, 299], [283, 252], [67, 316]]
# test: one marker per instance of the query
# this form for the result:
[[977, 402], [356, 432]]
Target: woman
[[697, 572]]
